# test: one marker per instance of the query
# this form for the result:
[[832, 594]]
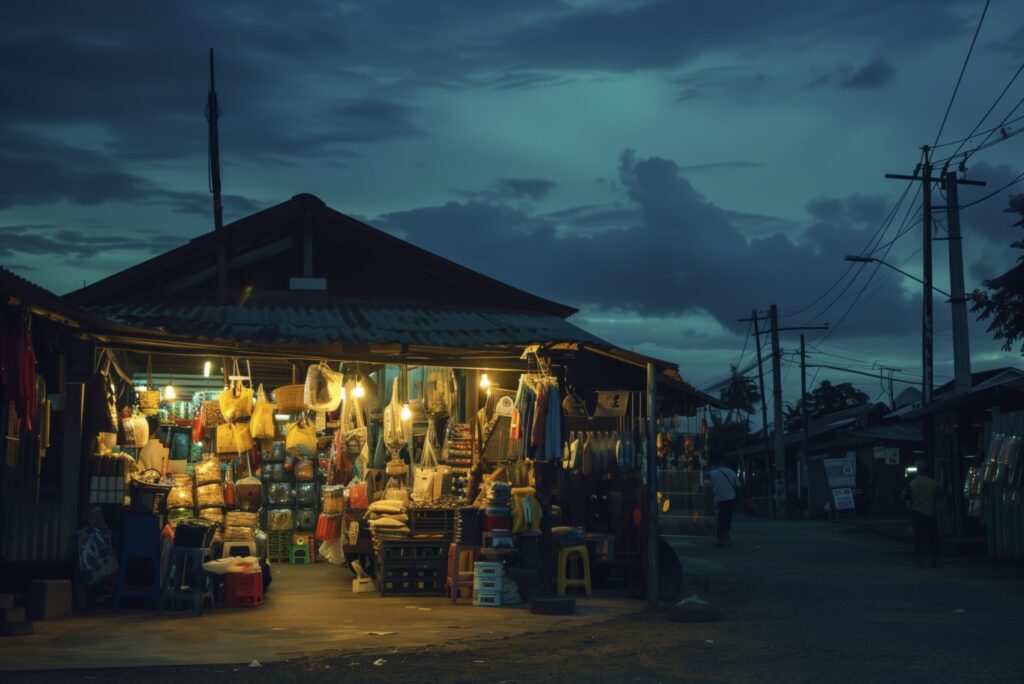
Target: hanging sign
[[841, 472], [843, 498], [611, 404]]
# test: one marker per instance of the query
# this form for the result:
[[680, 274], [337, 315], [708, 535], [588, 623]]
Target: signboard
[[611, 404], [891, 455], [841, 472], [843, 498]]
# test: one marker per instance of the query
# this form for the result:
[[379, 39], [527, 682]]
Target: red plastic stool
[[243, 589], [455, 552]]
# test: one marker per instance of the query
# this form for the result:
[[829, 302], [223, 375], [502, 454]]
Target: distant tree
[[739, 395], [826, 398], [727, 437], [1002, 301]]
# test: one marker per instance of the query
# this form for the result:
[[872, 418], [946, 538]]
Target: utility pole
[[961, 345], [780, 431], [802, 472], [212, 114], [779, 468], [764, 401]]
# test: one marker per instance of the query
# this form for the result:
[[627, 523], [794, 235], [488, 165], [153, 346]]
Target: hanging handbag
[[225, 440], [149, 398], [261, 424], [358, 495], [439, 393], [352, 431], [236, 400], [394, 431], [211, 414], [300, 438], [243, 438], [322, 391]]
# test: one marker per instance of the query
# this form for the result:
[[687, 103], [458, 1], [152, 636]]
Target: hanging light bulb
[[406, 412], [207, 367], [485, 382], [359, 392], [169, 393]]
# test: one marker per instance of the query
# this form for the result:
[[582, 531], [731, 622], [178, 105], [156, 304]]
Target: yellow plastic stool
[[564, 555]]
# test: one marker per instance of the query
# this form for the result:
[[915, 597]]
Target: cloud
[[51, 241], [869, 76], [715, 166], [874, 74], [666, 251], [535, 189]]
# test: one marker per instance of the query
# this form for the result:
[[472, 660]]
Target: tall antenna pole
[[212, 114]]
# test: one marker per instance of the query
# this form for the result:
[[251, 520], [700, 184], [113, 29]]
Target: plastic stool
[[238, 548], [186, 580], [299, 555], [564, 556], [455, 552], [140, 543], [243, 589]]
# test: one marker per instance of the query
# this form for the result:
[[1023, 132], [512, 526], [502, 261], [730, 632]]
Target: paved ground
[[802, 601]]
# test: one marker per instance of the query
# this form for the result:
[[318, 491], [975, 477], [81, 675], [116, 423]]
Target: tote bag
[[322, 391], [394, 431], [236, 400], [261, 425], [300, 438]]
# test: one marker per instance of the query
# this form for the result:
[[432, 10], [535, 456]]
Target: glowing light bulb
[[406, 412], [485, 382], [359, 392], [169, 393], [207, 367]]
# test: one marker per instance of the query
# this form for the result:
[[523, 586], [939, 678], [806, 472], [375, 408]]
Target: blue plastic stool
[[140, 543], [186, 580]]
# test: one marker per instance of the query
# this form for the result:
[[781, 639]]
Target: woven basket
[[289, 399]]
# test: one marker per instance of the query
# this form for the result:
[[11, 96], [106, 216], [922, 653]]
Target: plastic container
[[489, 599], [498, 519]]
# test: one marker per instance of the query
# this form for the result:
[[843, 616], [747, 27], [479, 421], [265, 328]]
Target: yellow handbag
[[236, 400], [261, 425], [226, 443], [233, 438], [300, 438]]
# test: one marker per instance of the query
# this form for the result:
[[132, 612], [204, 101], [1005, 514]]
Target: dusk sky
[[665, 166]]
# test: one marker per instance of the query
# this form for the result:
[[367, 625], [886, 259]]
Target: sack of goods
[[210, 495], [207, 471], [241, 519]]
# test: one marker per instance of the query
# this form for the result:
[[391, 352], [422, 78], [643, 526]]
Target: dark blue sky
[[665, 166]]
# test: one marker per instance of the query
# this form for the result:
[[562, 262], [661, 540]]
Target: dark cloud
[[61, 243], [535, 189], [715, 166], [874, 74], [727, 80], [869, 76], [673, 253], [1012, 44]]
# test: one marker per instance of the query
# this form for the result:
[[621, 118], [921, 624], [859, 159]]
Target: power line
[[962, 70], [992, 107], [1016, 180], [975, 135]]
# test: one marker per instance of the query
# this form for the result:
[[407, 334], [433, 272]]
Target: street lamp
[[866, 260]]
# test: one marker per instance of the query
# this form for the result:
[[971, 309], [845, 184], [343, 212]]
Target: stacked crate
[[432, 523], [487, 583], [412, 567]]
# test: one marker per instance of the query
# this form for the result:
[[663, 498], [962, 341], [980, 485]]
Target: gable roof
[[303, 237]]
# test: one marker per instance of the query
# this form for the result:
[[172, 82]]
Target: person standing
[[723, 485], [924, 500]]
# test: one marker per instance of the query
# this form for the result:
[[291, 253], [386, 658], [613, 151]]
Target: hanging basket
[[289, 399]]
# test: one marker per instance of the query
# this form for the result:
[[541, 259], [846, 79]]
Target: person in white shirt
[[724, 485]]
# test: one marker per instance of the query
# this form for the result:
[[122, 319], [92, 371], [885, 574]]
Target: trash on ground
[[255, 663], [379, 661]]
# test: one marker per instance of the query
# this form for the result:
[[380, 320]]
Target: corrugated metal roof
[[352, 322]]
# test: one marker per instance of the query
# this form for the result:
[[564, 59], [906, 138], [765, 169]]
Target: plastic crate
[[412, 579], [414, 551], [279, 545], [487, 598], [487, 584], [438, 522], [488, 569]]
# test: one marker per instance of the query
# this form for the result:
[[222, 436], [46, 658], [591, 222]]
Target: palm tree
[[739, 395]]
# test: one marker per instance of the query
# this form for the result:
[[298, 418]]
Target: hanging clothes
[[18, 367], [553, 425]]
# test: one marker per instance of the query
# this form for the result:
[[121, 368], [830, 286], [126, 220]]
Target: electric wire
[[963, 69], [989, 111], [1016, 180]]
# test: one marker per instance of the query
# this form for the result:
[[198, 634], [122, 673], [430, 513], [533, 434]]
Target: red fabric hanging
[[18, 367]]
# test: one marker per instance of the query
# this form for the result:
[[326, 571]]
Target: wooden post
[[651, 487]]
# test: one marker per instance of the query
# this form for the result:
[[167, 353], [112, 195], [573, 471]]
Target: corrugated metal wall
[[1004, 521]]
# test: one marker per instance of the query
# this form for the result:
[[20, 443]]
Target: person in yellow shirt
[[924, 504]]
